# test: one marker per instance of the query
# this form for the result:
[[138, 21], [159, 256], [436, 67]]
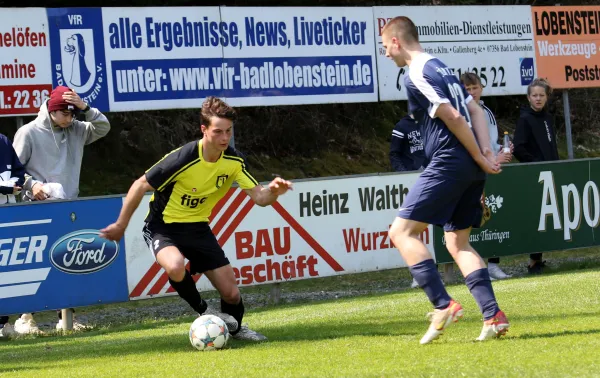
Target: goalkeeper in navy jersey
[[406, 149]]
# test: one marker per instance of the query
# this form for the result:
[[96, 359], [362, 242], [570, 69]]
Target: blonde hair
[[542, 83]]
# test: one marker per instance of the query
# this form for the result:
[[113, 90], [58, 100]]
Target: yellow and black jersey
[[186, 187]]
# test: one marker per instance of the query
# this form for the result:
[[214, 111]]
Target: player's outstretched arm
[[116, 230], [266, 196], [459, 127]]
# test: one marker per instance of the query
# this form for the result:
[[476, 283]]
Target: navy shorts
[[195, 241], [453, 204]]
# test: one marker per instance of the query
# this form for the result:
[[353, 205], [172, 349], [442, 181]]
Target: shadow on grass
[[558, 334], [49, 352]]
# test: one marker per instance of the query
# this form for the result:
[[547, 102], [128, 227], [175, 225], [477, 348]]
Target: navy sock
[[428, 278], [480, 286]]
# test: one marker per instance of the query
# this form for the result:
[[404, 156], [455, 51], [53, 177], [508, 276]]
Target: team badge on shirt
[[221, 180]]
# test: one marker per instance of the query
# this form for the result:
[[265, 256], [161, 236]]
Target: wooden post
[[448, 273], [275, 294]]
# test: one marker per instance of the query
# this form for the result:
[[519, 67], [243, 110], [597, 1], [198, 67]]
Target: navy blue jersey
[[429, 84], [406, 148], [12, 171]]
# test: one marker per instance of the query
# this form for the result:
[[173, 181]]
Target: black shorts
[[195, 241]]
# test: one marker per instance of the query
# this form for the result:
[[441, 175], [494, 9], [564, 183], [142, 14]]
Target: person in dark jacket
[[406, 149], [535, 139], [535, 136], [12, 177]]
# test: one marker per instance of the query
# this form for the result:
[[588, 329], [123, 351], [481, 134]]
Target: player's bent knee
[[397, 230], [457, 241], [175, 271], [402, 229], [172, 262], [230, 294], [174, 267]]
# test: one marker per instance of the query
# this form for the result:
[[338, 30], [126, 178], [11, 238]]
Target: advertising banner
[[51, 256], [77, 51], [553, 207], [322, 228], [289, 55], [25, 70], [495, 42], [164, 58], [567, 40]]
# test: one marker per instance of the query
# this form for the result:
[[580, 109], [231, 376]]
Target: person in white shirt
[[473, 85]]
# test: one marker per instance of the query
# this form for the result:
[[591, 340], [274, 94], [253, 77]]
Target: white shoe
[[440, 319], [414, 284], [6, 332], [25, 325], [246, 333], [496, 273], [229, 320], [76, 326], [495, 327]]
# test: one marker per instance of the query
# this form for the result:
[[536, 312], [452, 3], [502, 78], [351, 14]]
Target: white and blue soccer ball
[[209, 332]]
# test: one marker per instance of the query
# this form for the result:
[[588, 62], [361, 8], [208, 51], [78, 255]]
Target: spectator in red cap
[[51, 149], [51, 146]]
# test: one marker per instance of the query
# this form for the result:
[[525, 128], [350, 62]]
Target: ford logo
[[83, 251]]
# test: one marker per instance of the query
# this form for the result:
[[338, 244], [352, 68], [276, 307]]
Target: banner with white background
[[495, 42], [321, 228]]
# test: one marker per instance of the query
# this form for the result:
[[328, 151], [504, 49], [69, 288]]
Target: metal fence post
[[567, 108], [232, 140], [67, 319]]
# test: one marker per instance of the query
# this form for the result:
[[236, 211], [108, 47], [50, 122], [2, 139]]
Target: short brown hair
[[404, 29], [540, 82], [470, 78], [215, 107]]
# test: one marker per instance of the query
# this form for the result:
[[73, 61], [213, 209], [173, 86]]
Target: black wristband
[[87, 108]]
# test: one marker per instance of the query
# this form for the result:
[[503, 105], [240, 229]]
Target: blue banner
[[51, 256], [159, 79], [77, 53]]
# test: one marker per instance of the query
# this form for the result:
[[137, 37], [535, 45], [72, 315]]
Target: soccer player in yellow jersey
[[187, 183]]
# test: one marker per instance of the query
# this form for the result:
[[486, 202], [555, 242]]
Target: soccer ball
[[209, 332]]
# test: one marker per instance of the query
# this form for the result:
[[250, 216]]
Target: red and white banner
[[25, 69], [321, 228]]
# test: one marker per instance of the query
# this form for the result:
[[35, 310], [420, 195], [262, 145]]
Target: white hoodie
[[53, 154]]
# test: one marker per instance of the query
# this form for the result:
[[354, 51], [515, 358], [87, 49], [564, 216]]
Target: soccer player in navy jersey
[[449, 190]]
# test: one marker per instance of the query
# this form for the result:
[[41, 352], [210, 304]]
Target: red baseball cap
[[57, 102]]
